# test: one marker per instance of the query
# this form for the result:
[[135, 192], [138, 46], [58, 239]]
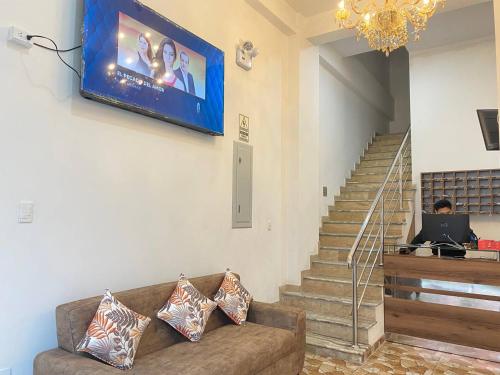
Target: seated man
[[442, 207]]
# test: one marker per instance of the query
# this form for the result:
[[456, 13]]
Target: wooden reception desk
[[455, 301]]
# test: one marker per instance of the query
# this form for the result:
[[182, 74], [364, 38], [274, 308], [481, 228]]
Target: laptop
[[446, 228]]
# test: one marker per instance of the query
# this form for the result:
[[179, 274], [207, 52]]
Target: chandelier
[[384, 23]]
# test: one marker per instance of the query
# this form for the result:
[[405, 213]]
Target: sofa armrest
[[278, 316], [61, 362], [284, 317]]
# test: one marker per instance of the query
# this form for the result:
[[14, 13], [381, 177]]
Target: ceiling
[[310, 8], [455, 26]]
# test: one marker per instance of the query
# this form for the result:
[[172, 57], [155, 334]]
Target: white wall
[[376, 63], [447, 86], [348, 118], [400, 89], [123, 201]]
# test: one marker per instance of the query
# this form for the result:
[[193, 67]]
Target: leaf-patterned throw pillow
[[114, 334], [233, 298], [187, 310]]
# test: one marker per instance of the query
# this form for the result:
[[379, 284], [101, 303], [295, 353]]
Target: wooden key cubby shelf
[[471, 192]]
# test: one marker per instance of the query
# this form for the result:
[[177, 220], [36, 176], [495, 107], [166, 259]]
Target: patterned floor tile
[[398, 359]]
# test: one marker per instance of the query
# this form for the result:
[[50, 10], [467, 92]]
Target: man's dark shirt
[[447, 251]]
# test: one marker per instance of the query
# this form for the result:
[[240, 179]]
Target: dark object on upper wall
[[488, 119], [136, 59]]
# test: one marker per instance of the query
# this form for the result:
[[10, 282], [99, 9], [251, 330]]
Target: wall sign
[[244, 128]]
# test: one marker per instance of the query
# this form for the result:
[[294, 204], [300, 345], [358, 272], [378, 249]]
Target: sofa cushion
[[233, 298], [114, 334], [187, 310], [74, 318], [229, 350]]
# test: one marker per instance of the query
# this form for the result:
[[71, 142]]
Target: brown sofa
[[271, 342]]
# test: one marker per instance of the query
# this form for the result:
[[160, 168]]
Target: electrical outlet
[[19, 37], [5, 371]]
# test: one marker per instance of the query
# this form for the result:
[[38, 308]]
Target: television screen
[[136, 59], [488, 120]]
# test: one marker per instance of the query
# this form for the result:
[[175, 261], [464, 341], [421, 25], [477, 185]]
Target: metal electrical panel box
[[242, 185]]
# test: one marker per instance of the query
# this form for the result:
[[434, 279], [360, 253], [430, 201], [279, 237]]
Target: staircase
[[326, 289]]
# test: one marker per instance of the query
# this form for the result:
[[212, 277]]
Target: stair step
[[354, 227], [357, 222], [338, 328], [390, 135], [387, 141], [339, 286], [377, 177], [369, 172], [369, 195], [339, 269], [360, 215], [381, 155], [378, 169], [353, 235], [357, 186], [368, 155], [327, 304], [347, 239], [373, 187], [383, 162], [319, 276], [328, 347], [361, 204], [347, 322], [339, 254], [383, 148]]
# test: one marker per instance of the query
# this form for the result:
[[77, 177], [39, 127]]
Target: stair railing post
[[354, 303], [382, 231], [401, 180]]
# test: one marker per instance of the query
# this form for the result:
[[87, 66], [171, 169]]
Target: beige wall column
[[496, 4]]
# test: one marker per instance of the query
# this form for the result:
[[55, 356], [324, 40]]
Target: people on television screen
[[145, 56], [166, 57], [183, 74]]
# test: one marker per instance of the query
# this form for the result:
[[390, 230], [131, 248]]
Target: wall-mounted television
[[488, 120], [136, 59]]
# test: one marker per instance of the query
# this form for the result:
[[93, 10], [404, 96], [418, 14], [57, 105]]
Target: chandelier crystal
[[384, 23]]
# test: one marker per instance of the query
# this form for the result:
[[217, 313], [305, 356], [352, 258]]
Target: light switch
[[25, 213]]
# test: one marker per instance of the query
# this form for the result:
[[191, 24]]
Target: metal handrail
[[379, 200]]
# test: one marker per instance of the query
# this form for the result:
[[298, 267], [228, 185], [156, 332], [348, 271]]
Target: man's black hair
[[442, 204]]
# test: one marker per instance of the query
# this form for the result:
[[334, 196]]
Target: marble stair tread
[[326, 220], [405, 186], [342, 249], [343, 300], [347, 322], [363, 173], [388, 201], [340, 263], [339, 248], [389, 236], [335, 279], [335, 344], [332, 208], [373, 189], [371, 200]]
